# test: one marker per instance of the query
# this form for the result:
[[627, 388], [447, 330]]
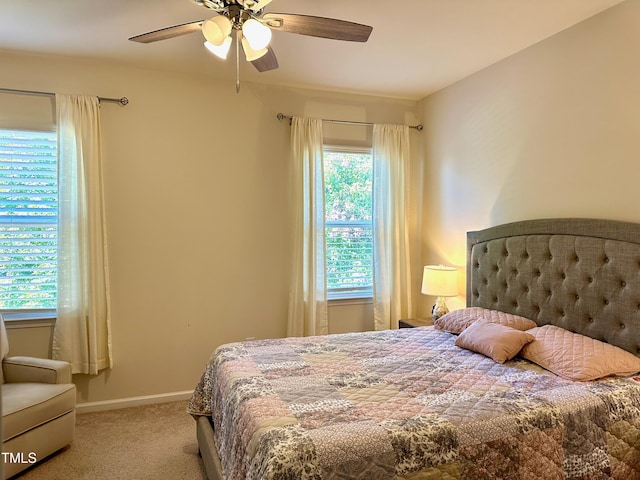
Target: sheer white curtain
[[308, 293], [82, 334], [391, 264]]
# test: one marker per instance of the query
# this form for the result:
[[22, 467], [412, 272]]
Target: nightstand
[[414, 322]]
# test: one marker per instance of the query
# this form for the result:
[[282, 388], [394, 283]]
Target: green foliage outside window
[[348, 213]]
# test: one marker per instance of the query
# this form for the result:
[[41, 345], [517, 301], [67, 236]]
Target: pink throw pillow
[[493, 340]]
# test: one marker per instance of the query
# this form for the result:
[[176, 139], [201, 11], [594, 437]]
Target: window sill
[[356, 300], [40, 318]]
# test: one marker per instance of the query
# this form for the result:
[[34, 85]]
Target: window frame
[[348, 295]]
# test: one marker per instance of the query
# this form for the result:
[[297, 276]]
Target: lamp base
[[439, 309]]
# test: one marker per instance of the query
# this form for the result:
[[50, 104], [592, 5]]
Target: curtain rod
[[122, 101], [282, 116]]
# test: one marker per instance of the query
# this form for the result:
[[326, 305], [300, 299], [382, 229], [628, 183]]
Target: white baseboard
[[132, 402]]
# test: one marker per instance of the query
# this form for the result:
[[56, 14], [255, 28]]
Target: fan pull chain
[[238, 39]]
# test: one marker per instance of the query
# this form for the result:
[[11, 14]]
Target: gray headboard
[[579, 274]]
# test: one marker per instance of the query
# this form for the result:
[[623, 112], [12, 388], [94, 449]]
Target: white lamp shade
[[250, 53], [220, 50], [257, 34], [440, 281], [216, 30]]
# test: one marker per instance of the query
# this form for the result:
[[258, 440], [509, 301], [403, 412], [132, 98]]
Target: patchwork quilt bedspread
[[409, 404]]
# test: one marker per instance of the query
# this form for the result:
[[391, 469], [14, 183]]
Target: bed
[[412, 404]]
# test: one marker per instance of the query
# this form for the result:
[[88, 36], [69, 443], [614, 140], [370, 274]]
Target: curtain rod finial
[[282, 116]]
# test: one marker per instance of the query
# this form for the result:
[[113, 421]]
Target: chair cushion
[[28, 405]]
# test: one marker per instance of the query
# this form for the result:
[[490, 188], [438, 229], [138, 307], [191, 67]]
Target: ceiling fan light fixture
[[220, 51], [216, 30], [250, 53], [257, 34]]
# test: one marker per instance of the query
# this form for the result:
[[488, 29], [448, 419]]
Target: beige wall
[[549, 132], [197, 208]]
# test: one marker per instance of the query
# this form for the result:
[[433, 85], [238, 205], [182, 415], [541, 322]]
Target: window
[[348, 179], [28, 219]]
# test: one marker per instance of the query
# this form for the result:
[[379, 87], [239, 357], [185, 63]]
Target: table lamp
[[440, 281]]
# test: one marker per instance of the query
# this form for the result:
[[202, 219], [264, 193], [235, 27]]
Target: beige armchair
[[38, 408]]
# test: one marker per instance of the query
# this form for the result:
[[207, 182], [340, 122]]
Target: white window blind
[[28, 219], [348, 222]]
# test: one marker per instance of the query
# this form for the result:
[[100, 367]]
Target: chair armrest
[[35, 370]]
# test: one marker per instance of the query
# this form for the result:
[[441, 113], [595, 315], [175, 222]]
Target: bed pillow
[[458, 320], [493, 340], [577, 357]]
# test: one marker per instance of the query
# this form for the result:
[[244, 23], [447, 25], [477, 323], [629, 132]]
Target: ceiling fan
[[252, 27]]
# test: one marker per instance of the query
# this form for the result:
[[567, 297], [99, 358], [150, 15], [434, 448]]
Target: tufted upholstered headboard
[[579, 274]]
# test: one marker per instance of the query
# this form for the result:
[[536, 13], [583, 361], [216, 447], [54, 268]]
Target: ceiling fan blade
[[266, 62], [318, 26], [168, 32]]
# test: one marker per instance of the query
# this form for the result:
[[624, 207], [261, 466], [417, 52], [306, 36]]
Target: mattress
[[409, 404]]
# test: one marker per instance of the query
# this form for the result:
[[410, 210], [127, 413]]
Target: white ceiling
[[416, 47]]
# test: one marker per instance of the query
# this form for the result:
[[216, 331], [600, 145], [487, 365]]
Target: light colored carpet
[[150, 442]]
